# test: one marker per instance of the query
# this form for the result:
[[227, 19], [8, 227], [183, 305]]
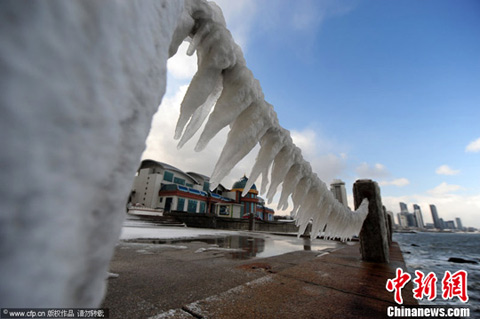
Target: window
[[161, 199], [206, 186], [168, 176], [181, 204], [192, 206], [202, 207], [179, 181], [190, 185], [224, 211]]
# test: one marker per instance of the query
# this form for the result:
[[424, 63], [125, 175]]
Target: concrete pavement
[[173, 281]]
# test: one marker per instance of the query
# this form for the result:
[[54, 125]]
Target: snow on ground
[[166, 232]]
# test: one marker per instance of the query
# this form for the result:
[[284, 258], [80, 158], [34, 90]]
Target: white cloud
[[446, 170], [444, 189], [321, 154], [400, 182], [473, 146], [377, 171], [239, 16], [181, 66]]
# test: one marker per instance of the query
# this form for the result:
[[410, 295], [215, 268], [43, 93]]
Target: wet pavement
[[246, 245], [168, 272], [204, 278], [154, 278]]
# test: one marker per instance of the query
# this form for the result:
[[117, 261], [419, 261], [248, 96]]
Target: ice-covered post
[[373, 236], [388, 224]]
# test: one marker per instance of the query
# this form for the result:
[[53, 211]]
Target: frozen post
[[388, 224], [373, 236]]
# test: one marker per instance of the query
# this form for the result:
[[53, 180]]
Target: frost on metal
[[224, 83]]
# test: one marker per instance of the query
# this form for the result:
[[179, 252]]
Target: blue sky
[[386, 90]]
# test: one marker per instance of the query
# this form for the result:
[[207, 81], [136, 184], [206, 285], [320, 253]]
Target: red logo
[[426, 286], [455, 285], [396, 284]]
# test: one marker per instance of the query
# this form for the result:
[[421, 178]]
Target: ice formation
[[224, 79], [79, 84]]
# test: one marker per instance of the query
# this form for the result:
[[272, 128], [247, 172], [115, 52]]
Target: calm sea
[[429, 252]]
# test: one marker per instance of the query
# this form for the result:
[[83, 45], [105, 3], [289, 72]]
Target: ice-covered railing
[[80, 83], [224, 82]]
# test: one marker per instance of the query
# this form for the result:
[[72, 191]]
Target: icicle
[[323, 210], [296, 172], [201, 114], [289, 155], [245, 133], [216, 51], [240, 89], [307, 211], [299, 194], [270, 144], [239, 102], [291, 180]]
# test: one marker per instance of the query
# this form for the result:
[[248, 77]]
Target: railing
[[376, 233]]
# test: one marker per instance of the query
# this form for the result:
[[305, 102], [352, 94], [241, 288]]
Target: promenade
[[191, 280]]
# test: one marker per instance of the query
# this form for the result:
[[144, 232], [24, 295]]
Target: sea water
[[430, 251]]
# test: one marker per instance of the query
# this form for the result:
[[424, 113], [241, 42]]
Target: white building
[[165, 187]]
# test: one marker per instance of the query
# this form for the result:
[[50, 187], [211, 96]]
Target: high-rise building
[[417, 212], [459, 223], [403, 208], [402, 220], [450, 224], [436, 220], [337, 187]]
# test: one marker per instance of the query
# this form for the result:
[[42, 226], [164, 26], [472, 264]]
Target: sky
[[384, 90]]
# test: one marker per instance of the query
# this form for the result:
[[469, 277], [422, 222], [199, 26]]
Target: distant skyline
[[385, 90]]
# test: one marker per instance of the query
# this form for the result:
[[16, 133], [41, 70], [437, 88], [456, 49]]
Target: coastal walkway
[[335, 284]]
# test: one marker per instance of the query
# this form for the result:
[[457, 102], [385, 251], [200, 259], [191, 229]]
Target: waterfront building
[[459, 223], [402, 220], [449, 224], [403, 208], [436, 220], [166, 188], [337, 187], [442, 223], [417, 212]]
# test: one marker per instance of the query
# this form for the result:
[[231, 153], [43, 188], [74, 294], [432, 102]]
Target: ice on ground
[[228, 250], [171, 232]]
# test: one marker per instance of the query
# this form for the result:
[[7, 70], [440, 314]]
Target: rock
[[461, 260]]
